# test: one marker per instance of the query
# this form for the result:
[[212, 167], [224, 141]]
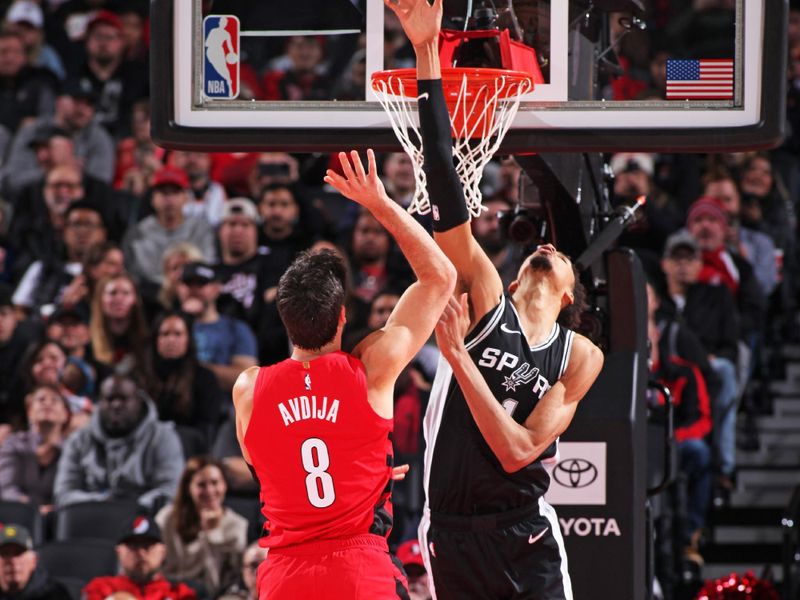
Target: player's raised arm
[[476, 274], [386, 352], [515, 445]]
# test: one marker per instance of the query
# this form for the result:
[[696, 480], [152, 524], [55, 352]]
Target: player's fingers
[[358, 165], [348, 170], [373, 170], [336, 180], [399, 472], [464, 303]]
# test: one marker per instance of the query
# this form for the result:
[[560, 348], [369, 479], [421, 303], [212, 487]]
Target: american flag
[[700, 79]]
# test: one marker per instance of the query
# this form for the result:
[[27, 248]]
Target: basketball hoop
[[482, 104]]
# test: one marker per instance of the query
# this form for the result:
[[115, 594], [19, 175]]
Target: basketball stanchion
[[482, 104]]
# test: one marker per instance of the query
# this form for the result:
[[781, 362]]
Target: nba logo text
[[221, 57]]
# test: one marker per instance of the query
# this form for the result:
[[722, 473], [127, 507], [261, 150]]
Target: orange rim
[[452, 79]]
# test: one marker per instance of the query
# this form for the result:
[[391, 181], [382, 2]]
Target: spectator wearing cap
[[25, 18], [43, 285], [21, 577], [692, 416], [204, 539], [92, 146], [243, 265], [633, 177], [146, 242], [28, 459], [183, 390], [708, 224], [225, 345], [13, 342], [69, 326], [710, 312], [124, 452], [206, 197], [26, 92], [140, 554], [247, 587], [755, 246], [37, 147], [117, 83], [410, 556]]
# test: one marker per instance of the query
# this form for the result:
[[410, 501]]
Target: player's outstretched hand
[[420, 20], [453, 326], [366, 188]]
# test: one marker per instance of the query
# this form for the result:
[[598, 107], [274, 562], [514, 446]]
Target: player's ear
[[568, 298], [513, 286], [342, 316]]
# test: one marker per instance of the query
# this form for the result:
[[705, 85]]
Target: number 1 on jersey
[[318, 478]]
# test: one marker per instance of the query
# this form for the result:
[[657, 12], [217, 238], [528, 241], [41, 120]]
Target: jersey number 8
[[318, 479]]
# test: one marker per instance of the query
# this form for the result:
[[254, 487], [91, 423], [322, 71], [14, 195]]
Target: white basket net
[[478, 134]]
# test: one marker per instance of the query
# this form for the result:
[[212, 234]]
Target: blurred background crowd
[[136, 284]]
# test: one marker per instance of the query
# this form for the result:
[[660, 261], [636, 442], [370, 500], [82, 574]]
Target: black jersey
[[462, 474]]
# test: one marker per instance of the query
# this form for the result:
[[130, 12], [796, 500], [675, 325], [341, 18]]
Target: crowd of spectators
[[136, 284]]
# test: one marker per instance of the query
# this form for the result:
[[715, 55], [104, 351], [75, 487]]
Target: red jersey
[[322, 455]]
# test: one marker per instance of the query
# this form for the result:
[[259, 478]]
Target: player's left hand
[[453, 326], [399, 472]]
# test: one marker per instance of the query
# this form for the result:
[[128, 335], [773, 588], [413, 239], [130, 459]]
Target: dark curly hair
[[310, 298], [570, 316]]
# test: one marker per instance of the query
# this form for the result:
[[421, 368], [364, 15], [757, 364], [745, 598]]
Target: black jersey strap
[[448, 207]]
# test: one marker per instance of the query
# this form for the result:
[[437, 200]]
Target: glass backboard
[[295, 74]]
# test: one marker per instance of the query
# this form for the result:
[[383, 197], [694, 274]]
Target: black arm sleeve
[[448, 207]]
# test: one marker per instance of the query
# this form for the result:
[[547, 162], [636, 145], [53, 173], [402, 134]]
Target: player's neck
[[305, 355], [538, 309]]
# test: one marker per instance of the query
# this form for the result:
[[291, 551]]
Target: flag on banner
[[700, 79]]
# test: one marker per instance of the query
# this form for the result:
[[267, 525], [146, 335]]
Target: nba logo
[[221, 57]]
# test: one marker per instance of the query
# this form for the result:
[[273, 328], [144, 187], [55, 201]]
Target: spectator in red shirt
[[692, 425], [141, 553]]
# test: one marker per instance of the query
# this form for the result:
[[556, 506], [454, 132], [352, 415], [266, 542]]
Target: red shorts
[[346, 569]]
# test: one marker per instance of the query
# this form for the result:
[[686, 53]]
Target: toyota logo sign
[[575, 473]]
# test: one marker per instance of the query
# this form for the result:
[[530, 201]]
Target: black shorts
[[516, 555]]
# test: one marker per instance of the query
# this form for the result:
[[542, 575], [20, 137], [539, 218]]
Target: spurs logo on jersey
[[462, 474]]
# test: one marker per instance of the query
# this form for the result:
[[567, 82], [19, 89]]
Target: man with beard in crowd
[[242, 266], [21, 577], [124, 452], [116, 82], [140, 553], [488, 231], [207, 197], [45, 281]]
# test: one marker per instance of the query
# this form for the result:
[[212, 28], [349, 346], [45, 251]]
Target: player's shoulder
[[585, 354], [245, 384]]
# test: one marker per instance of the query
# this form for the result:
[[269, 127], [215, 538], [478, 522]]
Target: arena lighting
[[610, 233]]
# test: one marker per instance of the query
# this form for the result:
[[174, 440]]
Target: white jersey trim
[[567, 352], [433, 416], [549, 513], [489, 327]]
